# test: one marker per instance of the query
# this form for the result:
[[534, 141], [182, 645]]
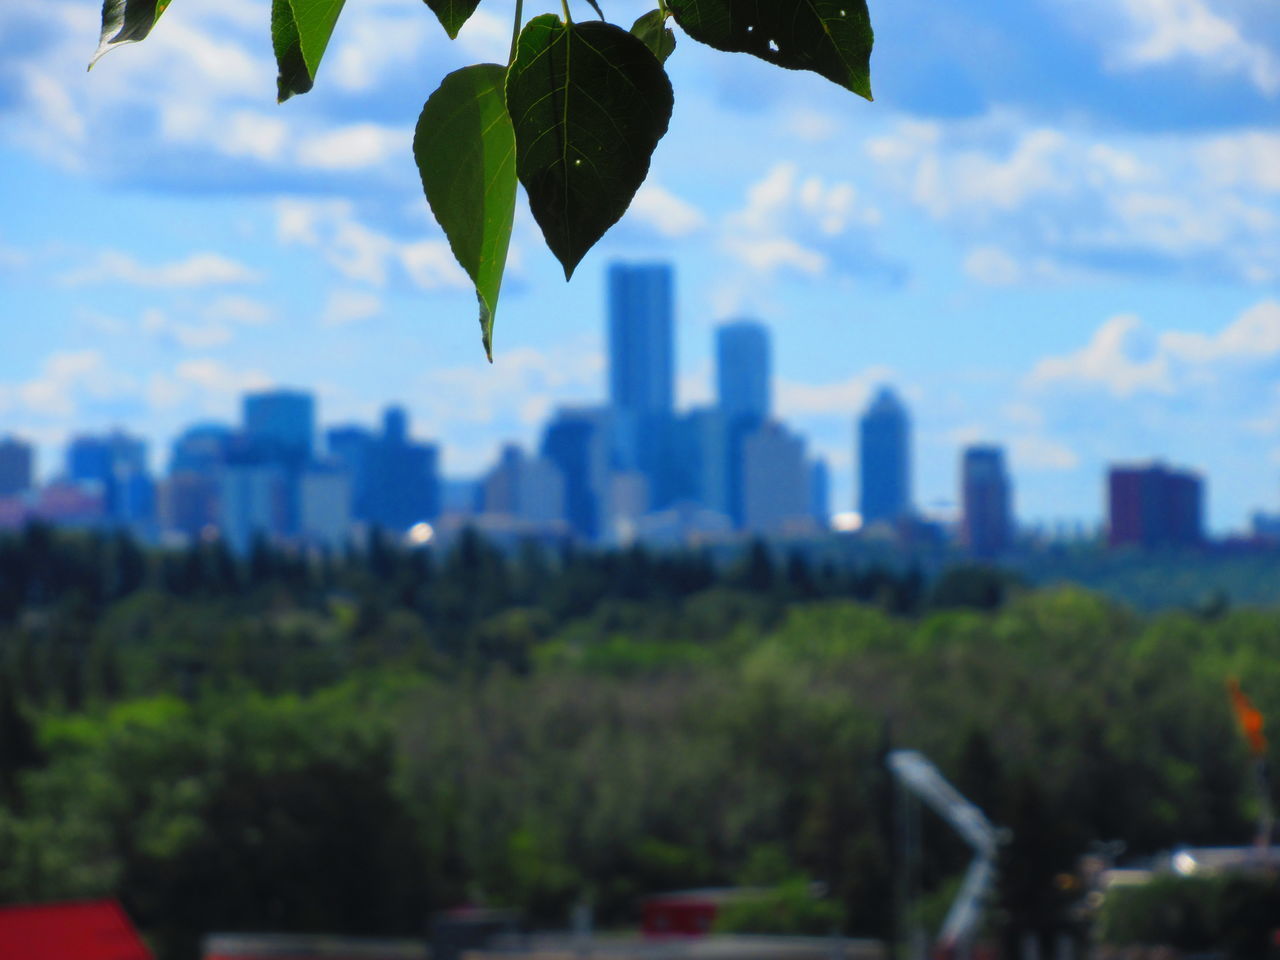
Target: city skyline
[[1056, 229], [282, 425]]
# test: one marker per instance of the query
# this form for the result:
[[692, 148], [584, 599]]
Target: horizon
[[1082, 270]]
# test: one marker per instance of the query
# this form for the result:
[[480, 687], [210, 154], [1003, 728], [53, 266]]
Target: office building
[[324, 506], [700, 460], [775, 483], [253, 502], [188, 503], [115, 464], [986, 522], [820, 493], [641, 351], [528, 489], [280, 424], [17, 464], [743, 371], [1154, 506], [202, 448], [577, 442], [884, 460], [401, 482]]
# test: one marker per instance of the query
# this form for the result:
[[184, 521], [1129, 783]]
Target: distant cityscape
[[631, 470]]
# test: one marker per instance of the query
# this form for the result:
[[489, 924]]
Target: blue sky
[[1057, 228]]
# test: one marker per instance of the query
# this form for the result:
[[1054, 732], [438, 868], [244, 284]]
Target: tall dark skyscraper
[[282, 423], [641, 354], [987, 522], [742, 370], [884, 459], [1154, 506]]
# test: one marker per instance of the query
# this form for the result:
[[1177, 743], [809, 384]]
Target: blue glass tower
[[742, 371], [884, 448], [640, 337]]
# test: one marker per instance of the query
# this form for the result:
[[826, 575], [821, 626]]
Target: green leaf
[[452, 14], [830, 37], [300, 31], [466, 153], [126, 21], [653, 32], [589, 102]]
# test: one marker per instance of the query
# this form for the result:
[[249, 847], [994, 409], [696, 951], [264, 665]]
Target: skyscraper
[[742, 371], [116, 463], [640, 338], [1154, 506], [403, 482], [16, 459], [577, 442], [281, 423], [884, 459], [987, 525], [775, 482]]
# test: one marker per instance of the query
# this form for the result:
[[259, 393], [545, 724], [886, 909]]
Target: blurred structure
[[84, 930], [1154, 506], [986, 523], [884, 460]]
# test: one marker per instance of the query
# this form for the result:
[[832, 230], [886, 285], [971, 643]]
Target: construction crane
[[921, 779]]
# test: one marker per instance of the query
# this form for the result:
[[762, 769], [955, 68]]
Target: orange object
[[1249, 718]]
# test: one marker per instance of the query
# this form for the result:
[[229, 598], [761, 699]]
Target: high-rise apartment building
[[281, 423], [884, 460], [641, 329], [1154, 506], [17, 464], [742, 371], [987, 523]]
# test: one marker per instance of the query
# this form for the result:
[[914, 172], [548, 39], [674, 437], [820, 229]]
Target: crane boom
[[917, 774]]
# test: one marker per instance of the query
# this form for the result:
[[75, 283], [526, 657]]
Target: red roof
[[88, 930]]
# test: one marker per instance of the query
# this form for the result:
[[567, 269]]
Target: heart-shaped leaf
[[300, 31], [589, 102], [653, 32], [126, 21], [452, 14], [466, 153], [830, 37]]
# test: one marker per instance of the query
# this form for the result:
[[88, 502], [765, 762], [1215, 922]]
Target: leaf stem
[[515, 31], [662, 8], [564, 5]]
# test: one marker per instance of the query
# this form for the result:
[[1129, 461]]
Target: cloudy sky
[[1057, 228]]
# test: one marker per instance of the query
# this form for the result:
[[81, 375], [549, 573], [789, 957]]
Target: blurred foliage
[[1232, 914], [344, 743]]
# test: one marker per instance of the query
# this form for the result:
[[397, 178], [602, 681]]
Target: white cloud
[[240, 310], [666, 213], [1060, 203], [1035, 451], [796, 224], [189, 336], [992, 266], [1169, 31], [353, 147], [197, 270], [1124, 359], [844, 398], [68, 377], [364, 255], [346, 307], [1118, 358]]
